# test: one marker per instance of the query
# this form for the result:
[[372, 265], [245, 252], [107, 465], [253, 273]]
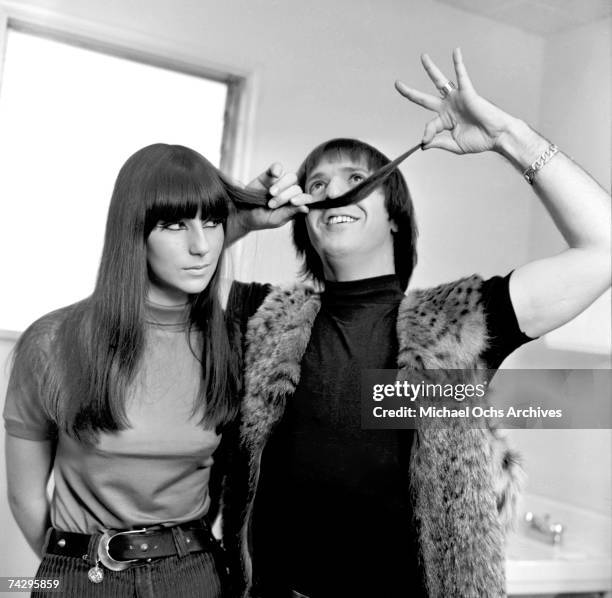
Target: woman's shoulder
[[34, 374], [39, 336]]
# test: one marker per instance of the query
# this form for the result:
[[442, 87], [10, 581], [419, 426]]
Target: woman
[[124, 394]]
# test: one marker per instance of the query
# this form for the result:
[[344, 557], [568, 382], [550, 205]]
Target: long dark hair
[[398, 203], [101, 340]]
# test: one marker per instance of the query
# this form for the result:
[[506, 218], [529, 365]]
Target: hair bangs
[[181, 187], [338, 149], [103, 342]]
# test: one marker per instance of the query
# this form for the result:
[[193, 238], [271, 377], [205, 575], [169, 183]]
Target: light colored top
[[154, 472]]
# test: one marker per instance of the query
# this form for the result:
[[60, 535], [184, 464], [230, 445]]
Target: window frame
[[145, 49]]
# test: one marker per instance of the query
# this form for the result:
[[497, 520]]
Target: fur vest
[[464, 481]]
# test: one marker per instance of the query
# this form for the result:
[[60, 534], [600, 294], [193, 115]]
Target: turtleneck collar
[[360, 293], [172, 318]]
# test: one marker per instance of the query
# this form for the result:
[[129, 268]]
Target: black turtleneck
[[339, 523], [332, 515]]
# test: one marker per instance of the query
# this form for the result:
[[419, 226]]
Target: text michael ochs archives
[[509, 398], [458, 392]]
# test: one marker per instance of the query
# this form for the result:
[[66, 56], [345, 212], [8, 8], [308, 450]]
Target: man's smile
[[340, 219]]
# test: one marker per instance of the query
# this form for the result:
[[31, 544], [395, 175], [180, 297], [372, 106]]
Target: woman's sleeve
[[25, 412]]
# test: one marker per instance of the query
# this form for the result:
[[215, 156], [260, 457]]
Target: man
[[315, 505]]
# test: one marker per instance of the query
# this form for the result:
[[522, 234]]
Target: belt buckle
[[103, 554]]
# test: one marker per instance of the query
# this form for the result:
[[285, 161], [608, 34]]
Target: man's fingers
[[302, 199], [418, 97], [282, 183], [285, 196], [298, 199], [267, 178], [284, 214], [463, 79], [271, 175], [435, 74], [275, 170], [432, 128], [443, 141]]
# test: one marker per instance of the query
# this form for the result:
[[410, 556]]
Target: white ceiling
[[543, 17]]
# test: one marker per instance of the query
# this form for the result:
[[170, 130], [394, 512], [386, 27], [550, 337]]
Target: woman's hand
[[465, 123]]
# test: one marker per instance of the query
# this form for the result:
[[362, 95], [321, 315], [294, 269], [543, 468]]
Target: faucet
[[543, 525]]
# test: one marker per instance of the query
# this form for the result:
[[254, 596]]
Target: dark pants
[[194, 575]]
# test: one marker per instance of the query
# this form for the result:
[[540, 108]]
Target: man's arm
[[550, 292]]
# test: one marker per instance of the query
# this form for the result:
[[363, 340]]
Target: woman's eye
[[210, 223], [356, 178], [171, 225]]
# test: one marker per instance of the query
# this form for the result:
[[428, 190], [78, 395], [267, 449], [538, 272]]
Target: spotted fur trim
[[464, 481], [276, 338]]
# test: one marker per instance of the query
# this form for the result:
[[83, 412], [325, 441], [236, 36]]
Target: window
[[70, 115]]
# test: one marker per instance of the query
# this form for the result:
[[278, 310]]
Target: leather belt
[[119, 549]]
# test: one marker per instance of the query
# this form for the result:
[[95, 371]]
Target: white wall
[[340, 84], [324, 69], [575, 113]]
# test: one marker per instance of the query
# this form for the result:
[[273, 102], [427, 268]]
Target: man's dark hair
[[397, 201]]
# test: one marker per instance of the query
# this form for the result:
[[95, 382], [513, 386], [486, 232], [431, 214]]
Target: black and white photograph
[[306, 299]]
